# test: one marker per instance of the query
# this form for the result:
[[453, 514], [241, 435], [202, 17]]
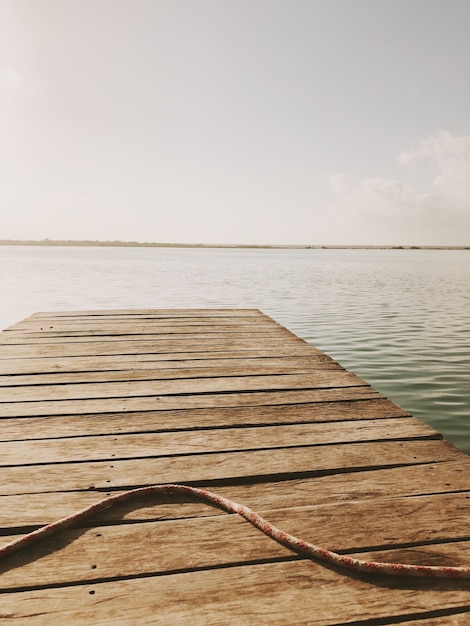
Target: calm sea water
[[397, 318]]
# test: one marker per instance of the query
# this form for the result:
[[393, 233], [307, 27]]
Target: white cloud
[[10, 80], [450, 157], [393, 208]]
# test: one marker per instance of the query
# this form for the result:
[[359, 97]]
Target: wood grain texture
[[35, 364], [433, 478], [172, 402], [247, 594], [140, 332], [148, 371], [150, 313], [158, 346], [182, 419], [141, 445], [137, 388], [125, 550], [228, 466], [95, 402]]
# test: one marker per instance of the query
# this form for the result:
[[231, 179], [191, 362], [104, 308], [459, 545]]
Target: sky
[[294, 122]]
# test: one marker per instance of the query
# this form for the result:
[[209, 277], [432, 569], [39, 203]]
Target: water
[[397, 318]]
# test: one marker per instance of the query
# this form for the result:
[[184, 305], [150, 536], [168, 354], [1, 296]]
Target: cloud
[[393, 208], [450, 157], [381, 195], [10, 80]]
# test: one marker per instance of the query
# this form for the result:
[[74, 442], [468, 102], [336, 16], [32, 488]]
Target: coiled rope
[[296, 544]]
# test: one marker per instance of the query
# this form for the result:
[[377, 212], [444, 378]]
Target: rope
[[296, 544]]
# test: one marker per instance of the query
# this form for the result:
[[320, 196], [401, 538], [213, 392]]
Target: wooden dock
[[97, 402]]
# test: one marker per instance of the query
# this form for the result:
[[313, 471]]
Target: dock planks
[[95, 402]]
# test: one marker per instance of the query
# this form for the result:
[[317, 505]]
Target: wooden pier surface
[[97, 402]]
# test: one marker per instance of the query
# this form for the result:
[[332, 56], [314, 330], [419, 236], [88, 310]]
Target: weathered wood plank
[[42, 365], [37, 509], [238, 466], [141, 336], [447, 618], [133, 346], [177, 316], [67, 332], [216, 417], [240, 595], [137, 329], [69, 329], [116, 322], [35, 342], [177, 351], [107, 552], [220, 384], [141, 315], [52, 321], [141, 445], [152, 313], [149, 373], [178, 320], [124, 405], [145, 326]]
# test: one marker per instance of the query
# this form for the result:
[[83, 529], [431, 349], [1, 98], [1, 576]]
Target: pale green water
[[398, 318]]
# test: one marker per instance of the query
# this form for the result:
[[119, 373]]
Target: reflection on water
[[398, 318]]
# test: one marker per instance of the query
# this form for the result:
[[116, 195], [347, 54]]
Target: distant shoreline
[[138, 244]]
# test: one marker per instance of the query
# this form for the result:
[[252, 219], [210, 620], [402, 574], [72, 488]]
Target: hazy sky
[[236, 121]]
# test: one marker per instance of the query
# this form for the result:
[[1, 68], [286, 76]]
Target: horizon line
[[146, 244]]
